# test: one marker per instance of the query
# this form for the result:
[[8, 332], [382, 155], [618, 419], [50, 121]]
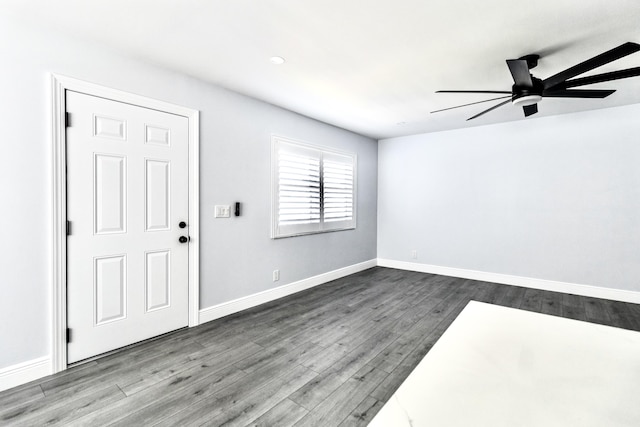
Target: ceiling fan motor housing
[[524, 95]]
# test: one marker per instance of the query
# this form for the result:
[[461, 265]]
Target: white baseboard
[[217, 311], [527, 282], [22, 373]]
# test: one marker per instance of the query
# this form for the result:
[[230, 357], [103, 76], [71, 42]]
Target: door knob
[[183, 239], [182, 224]]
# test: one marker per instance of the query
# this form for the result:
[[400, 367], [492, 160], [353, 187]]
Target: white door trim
[[59, 84]]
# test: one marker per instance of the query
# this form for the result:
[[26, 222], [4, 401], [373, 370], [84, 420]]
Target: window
[[313, 189]]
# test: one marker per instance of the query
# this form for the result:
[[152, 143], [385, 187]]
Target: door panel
[[110, 202], [127, 190], [157, 194], [157, 280], [110, 288], [107, 127]]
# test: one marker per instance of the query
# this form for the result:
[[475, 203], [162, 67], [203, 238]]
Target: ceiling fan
[[528, 90]]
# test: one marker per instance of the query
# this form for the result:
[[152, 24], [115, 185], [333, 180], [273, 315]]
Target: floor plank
[[314, 392], [20, 396], [284, 414], [257, 403], [61, 411], [337, 407], [573, 307], [363, 414], [551, 303], [227, 401], [532, 300], [596, 311]]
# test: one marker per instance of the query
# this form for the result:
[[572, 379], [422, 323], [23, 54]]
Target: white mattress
[[497, 366]]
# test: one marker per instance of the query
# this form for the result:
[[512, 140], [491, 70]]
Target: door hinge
[[67, 119], [68, 335], [68, 228]]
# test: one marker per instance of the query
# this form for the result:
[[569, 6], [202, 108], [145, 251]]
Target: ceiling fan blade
[[588, 65], [520, 72], [490, 109], [471, 103], [599, 78], [530, 109], [473, 91], [578, 93]]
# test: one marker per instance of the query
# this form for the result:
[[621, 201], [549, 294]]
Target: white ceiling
[[364, 65]]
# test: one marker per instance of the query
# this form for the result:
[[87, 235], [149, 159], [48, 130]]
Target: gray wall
[[554, 198], [237, 255]]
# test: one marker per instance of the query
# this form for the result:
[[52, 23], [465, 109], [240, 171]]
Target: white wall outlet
[[222, 211], [414, 254], [276, 275]]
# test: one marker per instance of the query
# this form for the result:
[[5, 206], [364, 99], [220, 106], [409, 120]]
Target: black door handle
[[183, 239], [182, 224]]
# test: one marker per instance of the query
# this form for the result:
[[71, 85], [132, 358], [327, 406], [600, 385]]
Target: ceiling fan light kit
[[528, 90], [526, 100]]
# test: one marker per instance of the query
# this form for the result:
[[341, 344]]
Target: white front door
[[127, 195]]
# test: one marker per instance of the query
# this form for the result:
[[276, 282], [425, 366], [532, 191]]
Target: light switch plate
[[222, 211]]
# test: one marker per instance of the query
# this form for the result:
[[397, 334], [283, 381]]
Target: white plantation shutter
[[298, 189], [314, 189], [338, 186]]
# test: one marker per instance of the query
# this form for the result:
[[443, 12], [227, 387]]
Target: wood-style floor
[[328, 356]]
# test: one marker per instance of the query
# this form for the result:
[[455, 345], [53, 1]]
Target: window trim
[[323, 227]]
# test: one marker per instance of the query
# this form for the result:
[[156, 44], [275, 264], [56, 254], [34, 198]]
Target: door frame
[[59, 84]]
